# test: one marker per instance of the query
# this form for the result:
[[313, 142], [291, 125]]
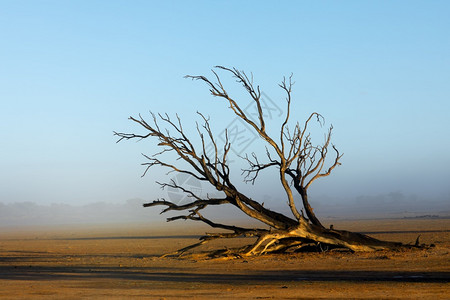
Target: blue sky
[[71, 72]]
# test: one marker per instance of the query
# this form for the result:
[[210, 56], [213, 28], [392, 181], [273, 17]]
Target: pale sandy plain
[[120, 262]]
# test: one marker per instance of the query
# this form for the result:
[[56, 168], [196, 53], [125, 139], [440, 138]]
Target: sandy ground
[[111, 262]]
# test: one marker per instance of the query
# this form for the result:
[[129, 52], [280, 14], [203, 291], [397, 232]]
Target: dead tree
[[297, 160]]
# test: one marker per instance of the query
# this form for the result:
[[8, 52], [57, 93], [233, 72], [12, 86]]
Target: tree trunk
[[308, 209], [306, 233]]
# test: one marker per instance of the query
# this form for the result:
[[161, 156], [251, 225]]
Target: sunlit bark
[[292, 154]]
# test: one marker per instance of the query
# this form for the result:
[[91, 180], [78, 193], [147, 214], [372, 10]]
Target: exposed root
[[304, 237], [417, 241]]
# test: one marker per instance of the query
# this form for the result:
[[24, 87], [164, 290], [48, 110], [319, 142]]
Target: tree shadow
[[165, 274], [156, 237]]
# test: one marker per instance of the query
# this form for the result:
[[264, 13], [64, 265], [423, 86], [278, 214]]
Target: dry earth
[[107, 262]]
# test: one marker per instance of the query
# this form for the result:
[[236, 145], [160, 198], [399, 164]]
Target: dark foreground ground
[[123, 262]]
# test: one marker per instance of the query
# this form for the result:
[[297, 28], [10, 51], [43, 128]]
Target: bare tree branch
[[298, 161]]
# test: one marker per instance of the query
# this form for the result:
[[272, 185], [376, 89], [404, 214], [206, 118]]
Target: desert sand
[[123, 261]]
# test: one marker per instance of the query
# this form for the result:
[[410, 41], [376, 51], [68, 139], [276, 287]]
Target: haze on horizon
[[72, 72]]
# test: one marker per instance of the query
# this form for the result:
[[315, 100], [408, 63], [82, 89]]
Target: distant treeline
[[30, 213], [392, 205], [428, 217]]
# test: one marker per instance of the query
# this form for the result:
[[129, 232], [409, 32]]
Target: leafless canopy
[[297, 160]]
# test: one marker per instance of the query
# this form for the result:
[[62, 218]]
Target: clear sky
[[71, 72]]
